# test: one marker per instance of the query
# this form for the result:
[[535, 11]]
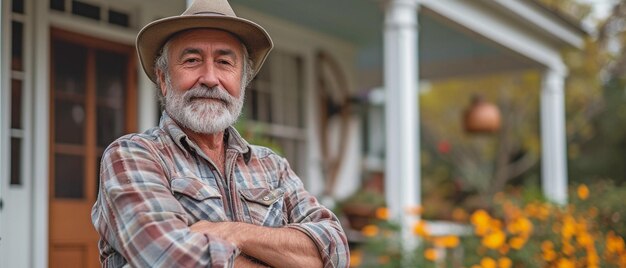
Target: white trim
[[499, 28], [41, 130], [5, 111], [91, 28], [532, 14], [17, 133], [18, 198], [402, 157]]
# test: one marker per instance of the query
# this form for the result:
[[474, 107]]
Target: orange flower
[[430, 254], [382, 213], [568, 249], [488, 263], [495, 223], [481, 221], [569, 227], [448, 241], [549, 255], [459, 214], [370, 230], [583, 192], [480, 217], [593, 259], [517, 242], [504, 262], [547, 245], [420, 229], [584, 239], [494, 240], [565, 263], [544, 212], [356, 257], [614, 243], [532, 210]]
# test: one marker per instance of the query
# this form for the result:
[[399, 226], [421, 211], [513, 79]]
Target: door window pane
[[69, 121], [57, 5], [16, 104], [111, 90], [69, 67], [111, 75], [18, 6], [16, 161], [86, 10], [110, 125], [119, 18], [69, 174], [17, 40]]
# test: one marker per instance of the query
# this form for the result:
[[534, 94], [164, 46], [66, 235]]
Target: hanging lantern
[[481, 116]]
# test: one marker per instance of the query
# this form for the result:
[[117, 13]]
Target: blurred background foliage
[[490, 183], [466, 170]]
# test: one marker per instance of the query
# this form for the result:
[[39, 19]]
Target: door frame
[[90, 147], [16, 215], [40, 49]]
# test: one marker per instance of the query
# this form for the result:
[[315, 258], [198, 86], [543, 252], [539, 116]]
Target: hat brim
[[153, 36]]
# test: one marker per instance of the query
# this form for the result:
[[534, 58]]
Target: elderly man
[[192, 192]]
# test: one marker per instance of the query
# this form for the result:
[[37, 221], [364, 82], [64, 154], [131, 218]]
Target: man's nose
[[209, 77]]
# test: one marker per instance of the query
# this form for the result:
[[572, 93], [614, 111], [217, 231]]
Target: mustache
[[216, 92]]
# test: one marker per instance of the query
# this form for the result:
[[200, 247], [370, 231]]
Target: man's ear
[[161, 78]]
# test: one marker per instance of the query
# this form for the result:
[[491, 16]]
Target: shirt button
[[266, 198]]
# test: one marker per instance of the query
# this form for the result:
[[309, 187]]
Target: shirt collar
[[234, 141]]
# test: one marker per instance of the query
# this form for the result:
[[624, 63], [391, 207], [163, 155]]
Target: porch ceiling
[[444, 49]]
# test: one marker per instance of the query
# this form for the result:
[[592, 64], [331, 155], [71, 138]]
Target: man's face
[[204, 90]]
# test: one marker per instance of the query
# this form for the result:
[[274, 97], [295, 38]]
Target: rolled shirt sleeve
[[319, 223], [139, 217]]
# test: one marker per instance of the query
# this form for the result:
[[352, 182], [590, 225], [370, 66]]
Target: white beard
[[205, 116]]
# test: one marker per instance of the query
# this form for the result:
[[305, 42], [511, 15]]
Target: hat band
[[208, 13]]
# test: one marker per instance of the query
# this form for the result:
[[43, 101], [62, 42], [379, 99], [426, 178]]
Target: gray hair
[[162, 64]]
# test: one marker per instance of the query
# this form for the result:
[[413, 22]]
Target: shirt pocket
[[200, 201], [264, 206]]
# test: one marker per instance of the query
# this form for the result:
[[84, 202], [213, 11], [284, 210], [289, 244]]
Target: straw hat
[[216, 14]]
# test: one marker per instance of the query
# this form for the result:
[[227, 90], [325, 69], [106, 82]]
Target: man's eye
[[225, 62], [192, 60]]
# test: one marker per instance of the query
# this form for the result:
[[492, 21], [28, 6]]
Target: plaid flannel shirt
[[156, 184]]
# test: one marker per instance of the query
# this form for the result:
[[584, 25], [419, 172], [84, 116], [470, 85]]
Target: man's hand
[[278, 247], [224, 230]]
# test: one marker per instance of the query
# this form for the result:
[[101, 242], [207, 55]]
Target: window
[[94, 10], [274, 109], [17, 75]]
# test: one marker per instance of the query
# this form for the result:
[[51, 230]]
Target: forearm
[[278, 247]]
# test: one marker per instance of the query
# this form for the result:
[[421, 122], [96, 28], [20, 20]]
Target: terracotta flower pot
[[481, 117]]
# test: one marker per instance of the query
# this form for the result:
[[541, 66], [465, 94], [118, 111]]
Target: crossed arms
[[137, 215]]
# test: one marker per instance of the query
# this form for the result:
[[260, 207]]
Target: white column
[[41, 130], [553, 138], [402, 174]]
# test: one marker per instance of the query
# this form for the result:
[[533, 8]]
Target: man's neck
[[212, 145]]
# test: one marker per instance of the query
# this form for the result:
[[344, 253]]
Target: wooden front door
[[92, 102]]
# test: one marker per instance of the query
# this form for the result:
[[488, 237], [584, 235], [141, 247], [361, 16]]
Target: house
[[71, 84]]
